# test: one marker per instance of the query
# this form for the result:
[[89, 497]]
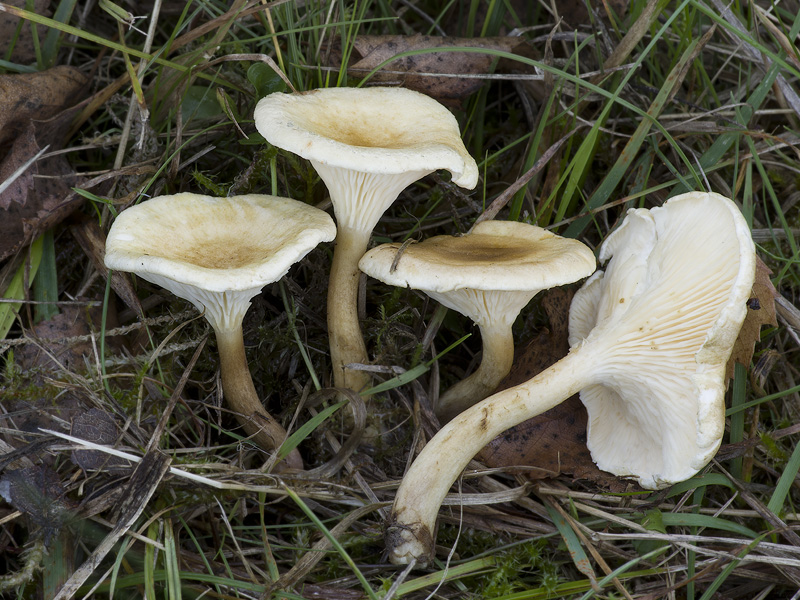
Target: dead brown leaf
[[574, 12], [92, 240], [760, 311], [41, 197], [55, 345], [24, 50], [432, 73], [37, 492], [42, 95], [96, 425], [555, 441]]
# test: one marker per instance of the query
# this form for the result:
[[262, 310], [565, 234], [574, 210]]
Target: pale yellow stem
[[498, 356], [241, 396], [411, 525], [344, 330]]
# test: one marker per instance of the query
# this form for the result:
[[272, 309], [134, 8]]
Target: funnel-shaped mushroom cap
[[376, 130], [215, 252], [492, 272], [664, 317]]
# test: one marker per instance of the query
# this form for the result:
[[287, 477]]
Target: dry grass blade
[[503, 199], [310, 559], [633, 36], [788, 91], [139, 489]]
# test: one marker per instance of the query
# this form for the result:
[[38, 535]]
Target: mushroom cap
[[200, 247], [496, 269], [664, 317], [381, 130], [496, 255]]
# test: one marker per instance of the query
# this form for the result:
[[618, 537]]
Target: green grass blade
[[622, 569], [785, 482], [737, 418], [398, 380], [334, 542], [630, 152], [149, 567], [711, 590], [52, 39], [472, 567], [412, 373], [307, 429], [572, 542], [45, 284], [700, 481], [291, 315], [171, 563], [91, 37], [16, 288], [696, 520]]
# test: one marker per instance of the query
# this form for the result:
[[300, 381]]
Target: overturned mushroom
[[489, 275], [649, 340], [218, 253], [367, 145]]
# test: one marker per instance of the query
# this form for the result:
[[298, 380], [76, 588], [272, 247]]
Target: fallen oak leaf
[[37, 492], [41, 95], [99, 427], [760, 311], [42, 196], [59, 342], [432, 72]]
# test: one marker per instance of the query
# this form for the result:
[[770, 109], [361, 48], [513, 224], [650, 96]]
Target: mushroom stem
[[344, 330], [409, 534], [498, 356], [239, 391]]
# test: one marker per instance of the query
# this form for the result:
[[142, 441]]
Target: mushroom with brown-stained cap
[[650, 338], [367, 145], [218, 253], [489, 275]]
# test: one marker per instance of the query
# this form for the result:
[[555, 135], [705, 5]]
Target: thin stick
[[499, 203]]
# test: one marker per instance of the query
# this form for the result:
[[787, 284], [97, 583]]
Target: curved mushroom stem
[[498, 356], [409, 534], [359, 199], [344, 330], [241, 396]]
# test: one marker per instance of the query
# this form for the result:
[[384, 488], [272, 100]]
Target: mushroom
[[367, 145], [489, 275], [218, 253], [649, 341]]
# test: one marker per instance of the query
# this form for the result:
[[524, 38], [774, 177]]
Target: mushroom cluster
[[650, 335]]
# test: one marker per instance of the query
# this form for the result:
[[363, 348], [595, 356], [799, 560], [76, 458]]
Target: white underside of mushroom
[[681, 360], [225, 311], [360, 198]]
